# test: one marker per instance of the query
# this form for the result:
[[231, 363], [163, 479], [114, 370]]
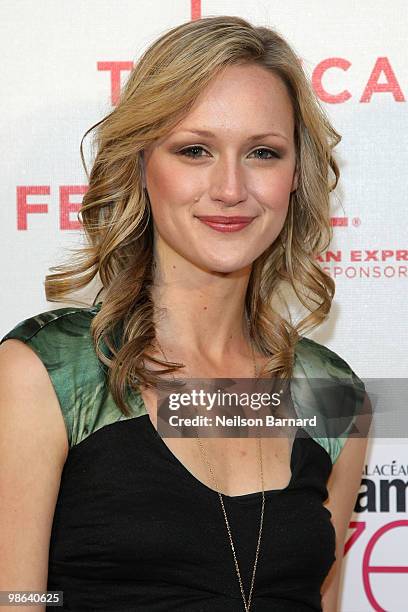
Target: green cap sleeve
[[323, 384]]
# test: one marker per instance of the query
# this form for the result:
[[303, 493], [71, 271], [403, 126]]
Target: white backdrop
[[63, 64]]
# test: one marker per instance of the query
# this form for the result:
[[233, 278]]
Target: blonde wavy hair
[[116, 216]]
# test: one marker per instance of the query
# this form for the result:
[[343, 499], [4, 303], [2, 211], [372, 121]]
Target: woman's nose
[[228, 182]]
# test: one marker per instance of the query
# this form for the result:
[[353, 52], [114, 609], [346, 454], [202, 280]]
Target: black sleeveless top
[[135, 531]]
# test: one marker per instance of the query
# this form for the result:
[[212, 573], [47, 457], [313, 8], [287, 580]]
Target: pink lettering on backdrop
[[391, 86], [115, 69], [339, 221], [382, 65], [367, 569], [380, 569], [317, 77], [67, 207], [24, 208], [195, 9], [359, 527]]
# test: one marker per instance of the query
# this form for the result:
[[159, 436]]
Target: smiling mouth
[[226, 224]]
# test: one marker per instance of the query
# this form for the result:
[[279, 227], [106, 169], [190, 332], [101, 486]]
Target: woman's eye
[[263, 150], [190, 151]]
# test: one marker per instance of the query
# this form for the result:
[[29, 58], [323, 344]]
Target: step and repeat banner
[[62, 69]]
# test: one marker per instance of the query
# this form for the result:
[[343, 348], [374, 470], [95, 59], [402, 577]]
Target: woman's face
[[243, 166]]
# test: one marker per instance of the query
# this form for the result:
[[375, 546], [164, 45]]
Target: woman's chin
[[217, 266]]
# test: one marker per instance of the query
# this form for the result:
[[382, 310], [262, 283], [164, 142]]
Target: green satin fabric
[[61, 338]]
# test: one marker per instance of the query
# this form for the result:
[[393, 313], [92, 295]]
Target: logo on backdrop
[[384, 490]]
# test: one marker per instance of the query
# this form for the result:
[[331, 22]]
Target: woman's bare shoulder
[[28, 398]]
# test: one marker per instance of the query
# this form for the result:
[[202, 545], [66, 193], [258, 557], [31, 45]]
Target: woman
[[217, 120]]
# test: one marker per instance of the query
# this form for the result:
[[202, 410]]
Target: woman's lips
[[226, 224]]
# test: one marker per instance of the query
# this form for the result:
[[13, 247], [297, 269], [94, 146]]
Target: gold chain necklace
[[247, 605]]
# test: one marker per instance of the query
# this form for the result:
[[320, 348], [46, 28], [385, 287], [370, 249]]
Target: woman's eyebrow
[[254, 137]]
